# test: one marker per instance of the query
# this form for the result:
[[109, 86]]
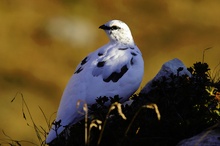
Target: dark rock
[[209, 137], [175, 67]]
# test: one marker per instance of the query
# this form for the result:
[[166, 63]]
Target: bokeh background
[[42, 41]]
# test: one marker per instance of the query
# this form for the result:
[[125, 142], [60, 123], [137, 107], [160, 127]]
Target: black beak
[[104, 27]]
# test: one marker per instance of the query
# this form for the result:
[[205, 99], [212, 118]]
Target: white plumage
[[114, 69]]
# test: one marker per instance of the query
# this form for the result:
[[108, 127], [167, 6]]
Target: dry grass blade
[[85, 109], [215, 75], [120, 110], [154, 106], [94, 123], [112, 107], [25, 106], [13, 142], [203, 54], [151, 106], [47, 122]]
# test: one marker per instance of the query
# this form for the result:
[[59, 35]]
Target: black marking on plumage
[[115, 37], [78, 70], [131, 48], [134, 54], [100, 54], [101, 64], [115, 76], [122, 48], [131, 61], [84, 61]]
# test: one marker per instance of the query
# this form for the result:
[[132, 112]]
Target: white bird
[[114, 69]]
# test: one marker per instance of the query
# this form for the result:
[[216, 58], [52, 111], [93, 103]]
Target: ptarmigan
[[115, 69]]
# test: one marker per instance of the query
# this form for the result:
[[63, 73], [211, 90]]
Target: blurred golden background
[[41, 43]]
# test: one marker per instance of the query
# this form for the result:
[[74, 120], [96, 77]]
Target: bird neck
[[124, 41]]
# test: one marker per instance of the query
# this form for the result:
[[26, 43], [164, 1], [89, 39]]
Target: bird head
[[118, 32]]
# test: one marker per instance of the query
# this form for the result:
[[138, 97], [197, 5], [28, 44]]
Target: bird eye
[[114, 27]]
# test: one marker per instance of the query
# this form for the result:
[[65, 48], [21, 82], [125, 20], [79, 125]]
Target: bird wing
[[113, 63]]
